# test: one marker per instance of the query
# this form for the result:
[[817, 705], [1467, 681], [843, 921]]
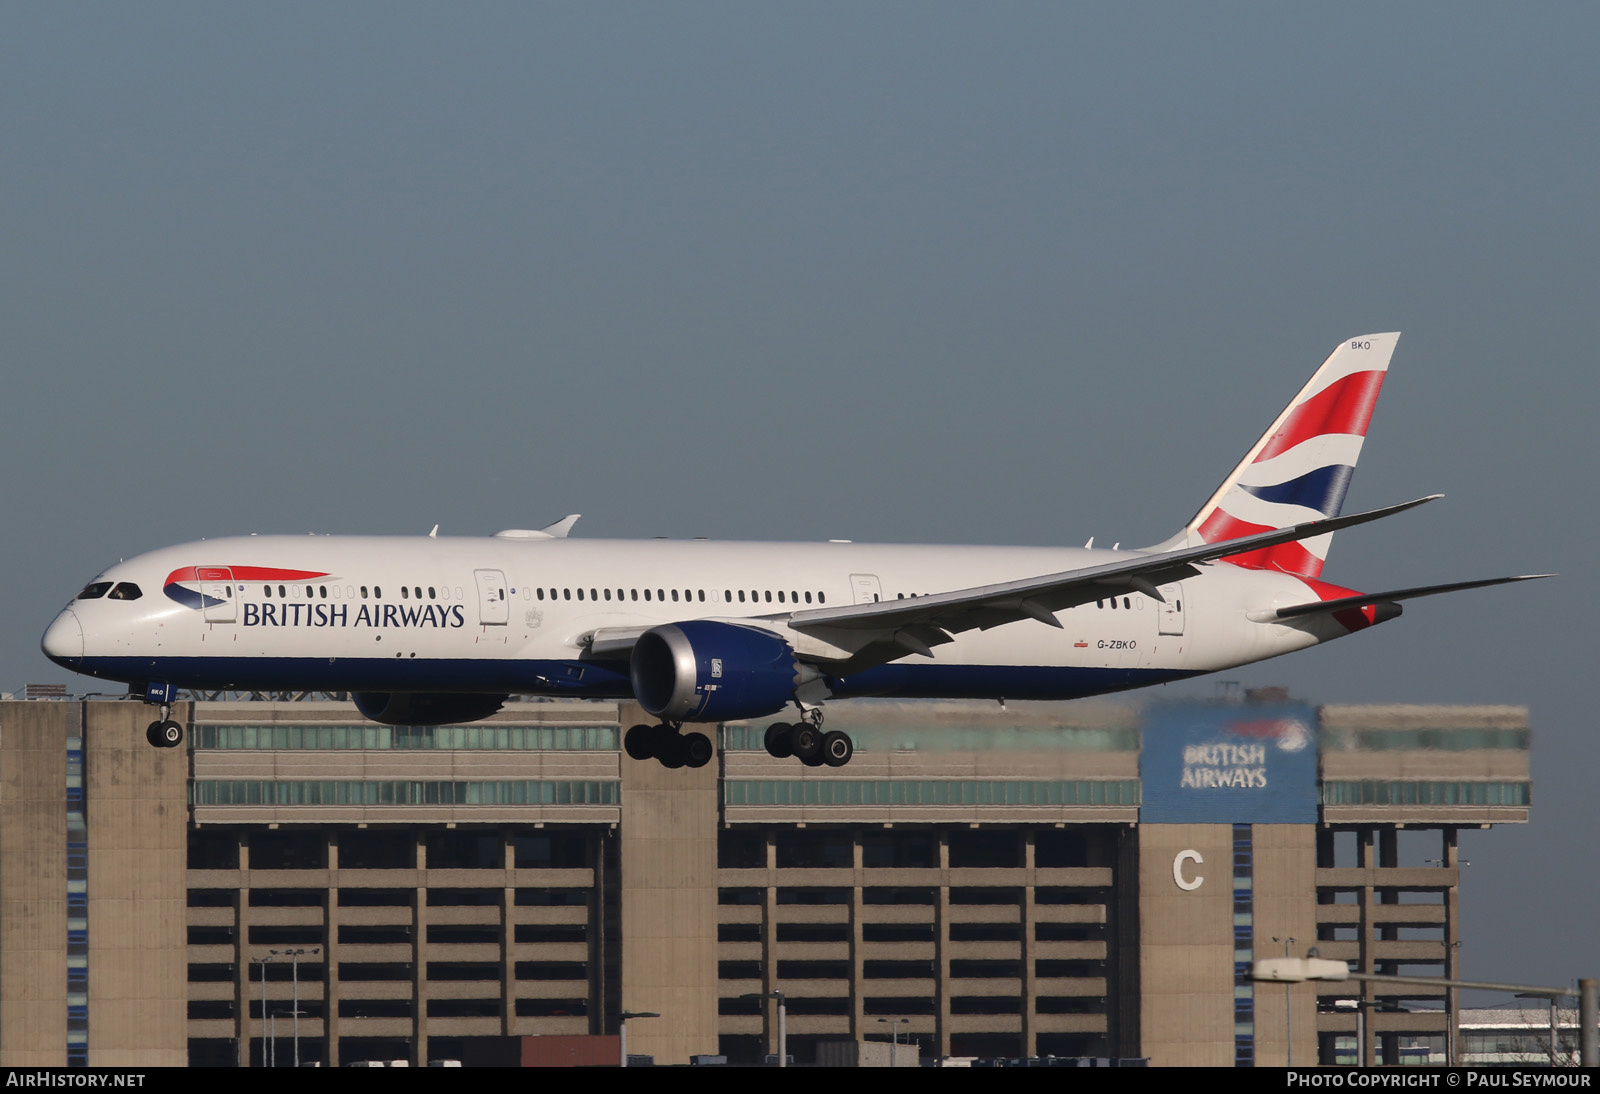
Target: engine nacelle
[[404, 708], [704, 671]]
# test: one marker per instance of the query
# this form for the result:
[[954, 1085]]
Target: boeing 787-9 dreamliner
[[427, 630]]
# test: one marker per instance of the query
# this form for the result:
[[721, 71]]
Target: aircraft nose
[[63, 641]]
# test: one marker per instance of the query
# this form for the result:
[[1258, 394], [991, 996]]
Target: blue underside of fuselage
[[594, 679]]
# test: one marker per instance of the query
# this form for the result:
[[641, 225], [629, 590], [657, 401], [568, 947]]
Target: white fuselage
[[515, 615]]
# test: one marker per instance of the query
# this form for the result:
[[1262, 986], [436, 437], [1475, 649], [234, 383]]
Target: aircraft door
[[494, 607], [217, 594], [865, 588], [1170, 615]]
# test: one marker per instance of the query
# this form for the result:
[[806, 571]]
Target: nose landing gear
[[164, 732]]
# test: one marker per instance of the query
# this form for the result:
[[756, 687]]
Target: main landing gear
[[664, 742], [807, 742]]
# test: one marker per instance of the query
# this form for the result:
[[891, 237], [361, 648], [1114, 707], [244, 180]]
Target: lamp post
[[1296, 969], [294, 960], [894, 1025], [622, 1029], [1452, 1048], [263, 961], [1360, 1006], [783, 1033], [1288, 1006], [1554, 1025]]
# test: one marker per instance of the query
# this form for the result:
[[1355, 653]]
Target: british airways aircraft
[[427, 630]]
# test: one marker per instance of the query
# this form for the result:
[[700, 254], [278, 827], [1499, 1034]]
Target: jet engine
[[704, 671], [403, 708]]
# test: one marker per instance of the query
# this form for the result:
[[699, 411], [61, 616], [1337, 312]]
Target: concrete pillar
[[669, 902], [33, 883], [136, 807], [330, 958], [1285, 857], [1186, 975], [1028, 915], [860, 1025], [941, 935], [508, 942], [419, 956], [769, 945]]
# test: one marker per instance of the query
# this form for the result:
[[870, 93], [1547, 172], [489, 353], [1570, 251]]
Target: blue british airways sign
[[1210, 764]]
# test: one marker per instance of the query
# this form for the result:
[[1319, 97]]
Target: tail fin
[[1300, 468]]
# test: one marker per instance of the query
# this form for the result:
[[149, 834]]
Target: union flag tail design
[[1300, 468]]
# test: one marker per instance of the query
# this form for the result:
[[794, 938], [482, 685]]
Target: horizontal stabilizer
[[1390, 597]]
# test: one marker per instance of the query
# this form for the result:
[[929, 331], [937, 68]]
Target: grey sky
[[948, 273]]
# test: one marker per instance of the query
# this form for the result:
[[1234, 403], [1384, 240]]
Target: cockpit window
[[95, 590], [125, 590]]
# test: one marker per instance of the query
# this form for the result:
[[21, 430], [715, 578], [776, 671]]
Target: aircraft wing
[[926, 621], [863, 634]]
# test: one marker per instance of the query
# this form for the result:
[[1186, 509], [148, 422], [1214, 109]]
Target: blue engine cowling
[[404, 708], [703, 671]]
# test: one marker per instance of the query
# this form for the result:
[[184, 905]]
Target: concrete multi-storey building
[[1080, 879]]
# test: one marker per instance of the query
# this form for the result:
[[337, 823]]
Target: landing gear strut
[[665, 742]]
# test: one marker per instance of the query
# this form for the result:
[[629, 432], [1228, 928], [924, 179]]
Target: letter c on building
[[1177, 871]]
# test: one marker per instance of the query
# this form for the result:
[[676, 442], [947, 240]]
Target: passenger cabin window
[[125, 590], [95, 590]]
